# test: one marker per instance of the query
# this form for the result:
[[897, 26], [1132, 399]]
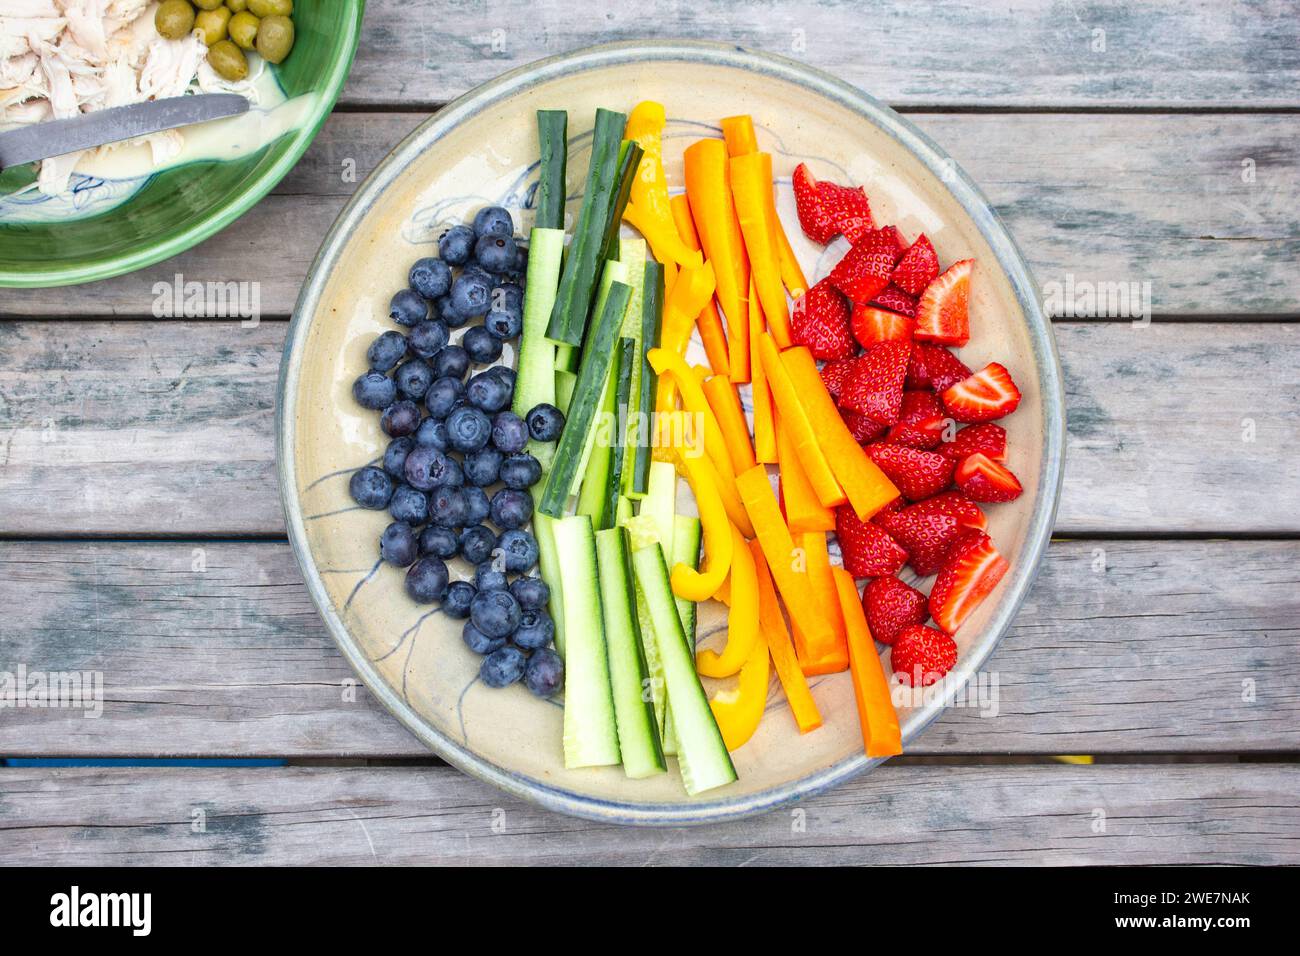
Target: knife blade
[[56, 137]]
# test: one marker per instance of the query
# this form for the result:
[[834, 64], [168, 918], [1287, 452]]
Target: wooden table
[[143, 538]]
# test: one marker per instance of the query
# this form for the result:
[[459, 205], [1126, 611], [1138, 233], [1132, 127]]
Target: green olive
[[274, 38], [243, 29], [207, 4], [212, 24], [236, 6], [271, 8], [228, 60], [174, 18]]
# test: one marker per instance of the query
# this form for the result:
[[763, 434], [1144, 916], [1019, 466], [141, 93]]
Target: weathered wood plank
[[1204, 814], [1096, 198], [129, 428], [1021, 53], [216, 650]]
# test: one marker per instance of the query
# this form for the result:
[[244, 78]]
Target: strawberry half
[[862, 428], [847, 209], [896, 300], [973, 569], [834, 373], [921, 655], [927, 529], [988, 394], [891, 606], [918, 474], [988, 439], [982, 479], [918, 267], [872, 326], [942, 314], [866, 549], [814, 219], [933, 366], [874, 387], [820, 321], [863, 273], [921, 421]]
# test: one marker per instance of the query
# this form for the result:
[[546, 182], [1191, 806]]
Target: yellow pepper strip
[[694, 288], [880, 732], [647, 207], [751, 188], [802, 705], [740, 711], [709, 322], [689, 583], [742, 619]]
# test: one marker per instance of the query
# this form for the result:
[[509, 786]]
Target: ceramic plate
[[482, 149]]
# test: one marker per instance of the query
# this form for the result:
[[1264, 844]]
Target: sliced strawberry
[[928, 528], [933, 366], [863, 273], [982, 479], [891, 606], [988, 394], [861, 427], [921, 420], [834, 373], [942, 313], [896, 300], [875, 385], [921, 655], [813, 217], [820, 320], [867, 549], [918, 474], [918, 267], [988, 439], [871, 326], [847, 209], [972, 569]]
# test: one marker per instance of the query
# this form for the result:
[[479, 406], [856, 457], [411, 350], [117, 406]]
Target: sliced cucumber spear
[[552, 573], [627, 361], [652, 310], [686, 550], [553, 138], [599, 473], [535, 378], [657, 507]]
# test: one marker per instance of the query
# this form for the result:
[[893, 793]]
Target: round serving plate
[[483, 149]]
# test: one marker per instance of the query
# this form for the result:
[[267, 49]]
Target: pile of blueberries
[[443, 460]]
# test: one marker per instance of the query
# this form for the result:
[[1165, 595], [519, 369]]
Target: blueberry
[[511, 508], [509, 433], [456, 603], [476, 504], [483, 467], [488, 578], [544, 675], [446, 313], [428, 338], [496, 254], [453, 475], [374, 390], [531, 592], [439, 542], [426, 581], [536, 629], [456, 245], [400, 418], [387, 350], [430, 277], [425, 467], [488, 390], [505, 374], [545, 422], [518, 550], [508, 297], [474, 269], [483, 347], [398, 544], [448, 507], [496, 613], [521, 471], [395, 455], [371, 488], [451, 362], [413, 379], [477, 543], [503, 666], [408, 308], [478, 642], [493, 221], [503, 325], [443, 395], [468, 429], [409, 505], [470, 295], [521, 259], [432, 432]]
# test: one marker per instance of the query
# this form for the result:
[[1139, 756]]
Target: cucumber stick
[[593, 498], [627, 361], [638, 734], [657, 506], [535, 377], [549, 561], [564, 382], [553, 143], [652, 309], [629, 161], [701, 754], [686, 550], [590, 727], [614, 272]]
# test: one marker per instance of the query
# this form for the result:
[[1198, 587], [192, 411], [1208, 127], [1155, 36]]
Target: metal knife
[[56, 137]]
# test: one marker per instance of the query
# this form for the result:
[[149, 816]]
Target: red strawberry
[[871, 326], [921, 655], [933, 366], [896, 300], [983, 479], [988, 439], [918, 267], [820, 320], [942, 313], [988, 394], [875, 385], [973, 569], [917, 473], [920, 421], [834, 373], [814, 218], [847, 209], [927, 529], [862, 428], [863, 273], [867, 549], [891, 606]]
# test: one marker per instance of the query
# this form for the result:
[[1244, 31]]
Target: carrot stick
[[876, 712], [772, 624], [760, 392], [725, 402], [793, 417], [803, 510], [709, 322], [738, 134], [834, 657], [751, 187], [791, 274]]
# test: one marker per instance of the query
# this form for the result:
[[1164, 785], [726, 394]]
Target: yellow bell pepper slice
[[712, 333], [647, 208], [740, 711], [694, 584], [742, 619]]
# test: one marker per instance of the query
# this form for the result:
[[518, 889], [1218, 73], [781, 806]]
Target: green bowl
[[182, 206]]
